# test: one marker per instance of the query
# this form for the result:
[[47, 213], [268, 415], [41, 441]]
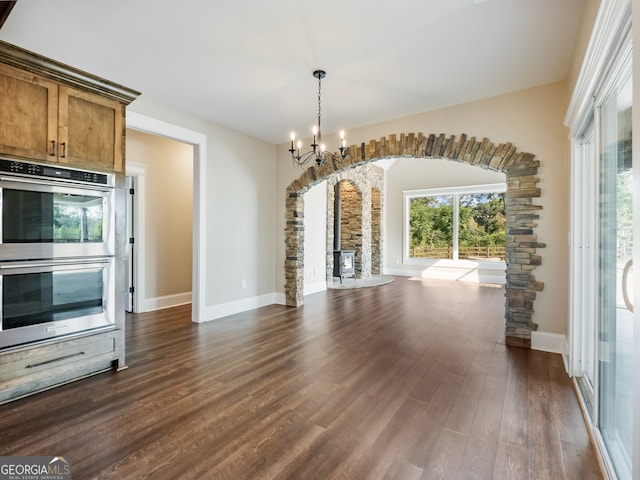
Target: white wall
[[533, 121], [238, 230], [315, 239]]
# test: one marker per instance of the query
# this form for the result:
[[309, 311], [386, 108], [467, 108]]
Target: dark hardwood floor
[[410, 380]]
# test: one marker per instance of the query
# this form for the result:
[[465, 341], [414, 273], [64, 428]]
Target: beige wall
[[238, 211], [168, 211], [532, 121], [584, 35]]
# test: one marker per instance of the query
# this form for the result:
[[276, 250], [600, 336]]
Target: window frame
[[456, 192]]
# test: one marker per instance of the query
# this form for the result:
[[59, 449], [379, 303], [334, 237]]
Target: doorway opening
[[197, 141], [160, 183]]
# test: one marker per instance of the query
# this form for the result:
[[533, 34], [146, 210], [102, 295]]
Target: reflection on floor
[[348, 283]]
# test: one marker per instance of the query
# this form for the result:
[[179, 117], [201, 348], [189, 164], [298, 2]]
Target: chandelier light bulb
[[317, 152]]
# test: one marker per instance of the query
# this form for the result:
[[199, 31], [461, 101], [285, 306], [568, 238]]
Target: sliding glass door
[[585, 267], [614, 273]]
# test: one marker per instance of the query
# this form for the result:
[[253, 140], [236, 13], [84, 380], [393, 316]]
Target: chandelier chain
[[319, 106]]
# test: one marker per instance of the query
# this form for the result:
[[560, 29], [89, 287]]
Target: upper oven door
[[45, 219]]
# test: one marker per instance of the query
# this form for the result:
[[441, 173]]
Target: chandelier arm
[[304, 158], [336, 156]]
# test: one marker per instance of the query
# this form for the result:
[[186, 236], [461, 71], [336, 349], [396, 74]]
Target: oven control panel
[[49, 171]]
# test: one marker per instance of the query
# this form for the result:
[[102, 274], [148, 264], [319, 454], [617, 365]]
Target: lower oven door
[[42, 300]]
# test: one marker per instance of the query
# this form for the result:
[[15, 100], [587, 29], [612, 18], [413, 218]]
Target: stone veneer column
[[376, 232], [521, 247], [294, 249], [521, 243]]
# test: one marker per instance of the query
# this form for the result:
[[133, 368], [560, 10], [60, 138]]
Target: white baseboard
[[548, 342], [239, 306], [315, 288], [167, 301], [279, 298], [553, 343]]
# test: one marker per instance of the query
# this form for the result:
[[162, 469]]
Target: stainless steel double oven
[[57, 247]]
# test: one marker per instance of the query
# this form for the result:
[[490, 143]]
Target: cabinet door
[[28, 116], [90, 130]]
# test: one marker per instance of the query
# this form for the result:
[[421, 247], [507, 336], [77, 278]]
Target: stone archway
[[521, 243]]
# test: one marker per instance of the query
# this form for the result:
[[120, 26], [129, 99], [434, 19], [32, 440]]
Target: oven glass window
[[32, 298], [38, 217]]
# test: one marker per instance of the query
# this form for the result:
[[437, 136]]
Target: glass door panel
[[615, 327], [48, 296], [30, 216]]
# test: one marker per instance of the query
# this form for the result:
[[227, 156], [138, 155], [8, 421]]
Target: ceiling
[[247, 64]]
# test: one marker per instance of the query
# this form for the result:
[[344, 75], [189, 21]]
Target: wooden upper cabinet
[[55, 113], [90, 130], [29, 115]]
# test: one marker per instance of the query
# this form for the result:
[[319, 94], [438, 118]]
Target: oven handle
[[53, 263], [58, 183]]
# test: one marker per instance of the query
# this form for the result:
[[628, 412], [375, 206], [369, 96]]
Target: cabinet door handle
[[47, 362], [64, 149], [52, 152]]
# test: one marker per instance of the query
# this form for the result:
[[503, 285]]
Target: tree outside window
[[458, 226]]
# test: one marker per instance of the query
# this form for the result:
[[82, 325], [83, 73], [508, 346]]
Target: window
[[459, 223]]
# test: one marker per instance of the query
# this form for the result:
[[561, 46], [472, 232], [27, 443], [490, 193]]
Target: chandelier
[[317, 152]]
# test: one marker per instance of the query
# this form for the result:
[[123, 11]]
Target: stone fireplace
[[356, 220]]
